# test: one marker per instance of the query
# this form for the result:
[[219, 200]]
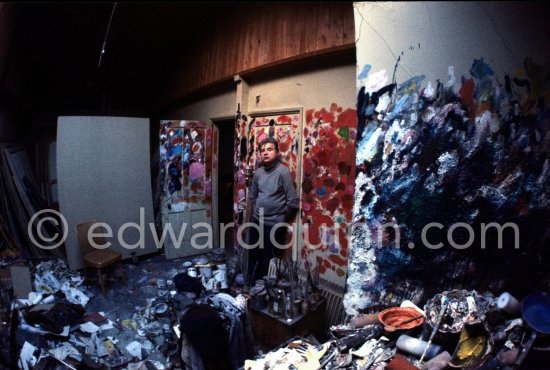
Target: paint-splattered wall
[[441, 155], [327, 189]]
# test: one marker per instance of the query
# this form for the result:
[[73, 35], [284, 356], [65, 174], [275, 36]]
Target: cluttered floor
[[194, 313], [128, 323]]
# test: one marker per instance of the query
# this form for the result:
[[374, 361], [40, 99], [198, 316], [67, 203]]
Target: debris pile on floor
[[456, 329], [65, 322]]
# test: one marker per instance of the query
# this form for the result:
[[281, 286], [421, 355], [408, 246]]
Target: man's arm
[[292, 200], [253, 194], [253, 190]]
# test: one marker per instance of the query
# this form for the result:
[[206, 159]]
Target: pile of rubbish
[[61, 322], [456, 329], [56, 328]]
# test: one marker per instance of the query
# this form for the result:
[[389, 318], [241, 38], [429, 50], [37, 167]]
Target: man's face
[[268, 153]]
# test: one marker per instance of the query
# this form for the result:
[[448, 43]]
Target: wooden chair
[[97, 258]]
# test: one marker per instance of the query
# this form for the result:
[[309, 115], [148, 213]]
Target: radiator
[[334, 294]]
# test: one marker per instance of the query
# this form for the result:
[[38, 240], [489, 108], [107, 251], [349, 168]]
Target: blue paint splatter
[[480, 69], [394, 137], [364, 73], [411, 85], [334, 248], [175, 150], [321, 191], [398, 107]]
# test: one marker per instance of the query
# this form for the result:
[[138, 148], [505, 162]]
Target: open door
[[186, 180]]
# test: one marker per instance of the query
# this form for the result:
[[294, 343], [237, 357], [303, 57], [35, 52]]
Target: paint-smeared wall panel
[[328, 166], [452, 129]]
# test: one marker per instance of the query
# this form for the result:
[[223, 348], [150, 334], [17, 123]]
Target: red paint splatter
[[344, 253], [309, 116], [347, 118], [312, 236], [307, 186], [284, 119], [328, 182], [466, 93], [283, 146], [337, 260], [324, 115], [309, 166], [332, 204], [323, 159]]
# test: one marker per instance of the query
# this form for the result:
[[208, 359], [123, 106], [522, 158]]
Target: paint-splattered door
[[186, 200], [285, 128]]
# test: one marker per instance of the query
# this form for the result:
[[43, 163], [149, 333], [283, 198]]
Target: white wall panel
[[103, 169]]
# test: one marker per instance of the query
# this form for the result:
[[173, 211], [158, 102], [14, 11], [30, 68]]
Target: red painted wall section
[[327, 188]]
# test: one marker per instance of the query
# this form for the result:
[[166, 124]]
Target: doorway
[[226, 135]]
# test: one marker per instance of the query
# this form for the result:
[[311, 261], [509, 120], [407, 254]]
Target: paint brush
[[444, 303], [393, 327]]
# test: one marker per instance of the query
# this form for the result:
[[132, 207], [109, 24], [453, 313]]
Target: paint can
[[160, 309], [509, 304], [221, 276], [416, 347]]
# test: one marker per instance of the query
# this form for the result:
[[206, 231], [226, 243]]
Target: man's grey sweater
[[273, 191]]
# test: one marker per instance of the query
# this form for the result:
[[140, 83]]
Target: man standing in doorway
[[276, 202]]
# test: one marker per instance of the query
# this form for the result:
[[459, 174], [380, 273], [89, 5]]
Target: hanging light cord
[[106, 35]]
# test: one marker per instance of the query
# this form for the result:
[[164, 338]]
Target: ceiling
[[58, 48]]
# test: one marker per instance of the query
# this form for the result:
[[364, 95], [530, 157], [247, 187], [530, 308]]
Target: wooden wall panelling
[[243, 39]]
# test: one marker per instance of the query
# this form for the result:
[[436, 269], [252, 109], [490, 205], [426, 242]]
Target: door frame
[[215, 179]]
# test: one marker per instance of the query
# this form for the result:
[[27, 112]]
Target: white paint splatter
[[383, 103], [390, 145], [429, 91], [451, 74], [367, 147], [376, 81], [447, 163]]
